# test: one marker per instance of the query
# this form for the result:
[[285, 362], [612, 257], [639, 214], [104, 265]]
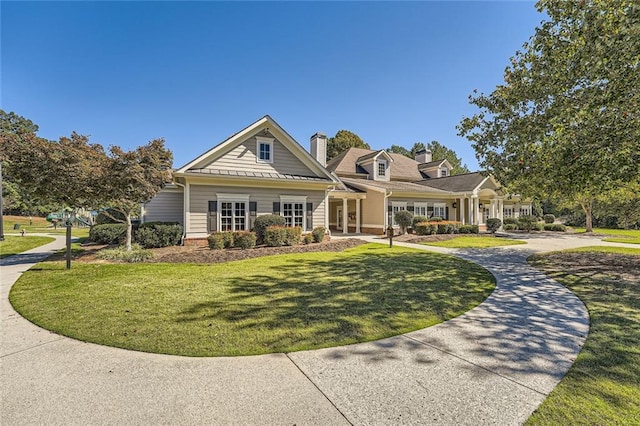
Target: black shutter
[[213, 206], [309, 216], [253, 212], [446, 213], [410, 208], [276, 207], [430, 211], [212, 220]]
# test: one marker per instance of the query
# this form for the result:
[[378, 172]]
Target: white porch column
[[463, 219], [358, 215], [345, 216], [475, 212], [501, 210], [494, 208]]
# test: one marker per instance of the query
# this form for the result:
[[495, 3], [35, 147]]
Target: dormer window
[[382, 168], [444, 172], [264, 150]]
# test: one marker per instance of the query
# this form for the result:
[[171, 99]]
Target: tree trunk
[[128, 240], [587, 207]]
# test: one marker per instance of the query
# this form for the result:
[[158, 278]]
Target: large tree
[[343, 140], [566, 121]]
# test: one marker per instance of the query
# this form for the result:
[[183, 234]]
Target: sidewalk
[[493, 365]]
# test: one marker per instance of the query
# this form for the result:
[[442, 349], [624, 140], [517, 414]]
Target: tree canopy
[[343, 140], [438, 152], [566, 121]]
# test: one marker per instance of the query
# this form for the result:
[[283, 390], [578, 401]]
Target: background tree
[[398, 149], [566, 121], [441, 152], [130, 178], [343, 140]]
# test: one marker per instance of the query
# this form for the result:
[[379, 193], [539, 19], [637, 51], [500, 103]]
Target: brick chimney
[[319, 148]]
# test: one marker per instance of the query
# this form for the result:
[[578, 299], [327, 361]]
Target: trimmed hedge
[[555, 227], [438, 227], [263, 222], [493, 224], [425, 228], [418, 219], [468, 229], [276, 236], [510, 227], [307, 238], [526, 222], [436, 219], [549, 218], [159, 234], [216, 241], [510, 221], [244, 240], [318, 234], [108, 233]]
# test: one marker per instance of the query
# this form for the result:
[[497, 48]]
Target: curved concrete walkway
[[493, 365]]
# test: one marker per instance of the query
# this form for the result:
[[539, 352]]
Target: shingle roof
[[403, 168], [393, 185], [250, 174], [456, 183], [431, 164]]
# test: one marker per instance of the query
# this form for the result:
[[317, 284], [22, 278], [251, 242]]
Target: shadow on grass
[[352, 298]]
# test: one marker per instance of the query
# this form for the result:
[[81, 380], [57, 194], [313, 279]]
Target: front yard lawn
[[270, 304], [482, 241], [630, 236], [14, 244], [603, 385]]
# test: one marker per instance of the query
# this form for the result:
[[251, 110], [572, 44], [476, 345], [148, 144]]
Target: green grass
[[603, 385], [14, 244], [39, 225], [271, 304], [475, 242]]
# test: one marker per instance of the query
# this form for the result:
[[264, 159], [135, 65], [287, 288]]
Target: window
[[233, 212], [382, 168], [440, 210], [395, 208], [524, 211], [444, 172], [264, 150], [293, 210], [420, 209], [507, 212]]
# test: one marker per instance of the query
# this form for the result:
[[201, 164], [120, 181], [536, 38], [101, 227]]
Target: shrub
[[556, 227], [263, 222], [436, 219], [404, 219], [307, 239], [110, 216], [277, 236], [417, 219], [537, 226], [243, 239], [493, 224], [121, 254], [159, 234], [549, 218], [510, 221], [113, 233], [510, 227], [424, 228], [468, 229], [318, 234], [446, 228], [220, 240], [526, 222]]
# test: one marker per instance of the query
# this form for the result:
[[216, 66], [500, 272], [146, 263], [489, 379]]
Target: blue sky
[[196, 72]]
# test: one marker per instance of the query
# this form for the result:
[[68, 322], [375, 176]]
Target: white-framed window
[[397, 206], [507, 212], [444, 172], [382, 168], [234, 212], [293, 210], [440, 210], [420, 209], [264, 150], [525, 211]]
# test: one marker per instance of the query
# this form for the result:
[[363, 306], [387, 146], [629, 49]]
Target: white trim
[[293, 199], [267, 141], [232, 197], [424, 205]]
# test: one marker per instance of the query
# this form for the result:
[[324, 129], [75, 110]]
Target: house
[[263, 170]]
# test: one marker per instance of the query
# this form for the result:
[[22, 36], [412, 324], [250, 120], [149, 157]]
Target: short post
[[390, 234], [68, 246]]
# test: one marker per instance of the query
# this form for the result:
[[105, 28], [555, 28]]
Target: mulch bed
[[605, 266], [192, 254]]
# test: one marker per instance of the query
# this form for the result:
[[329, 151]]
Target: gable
[[238, 154]]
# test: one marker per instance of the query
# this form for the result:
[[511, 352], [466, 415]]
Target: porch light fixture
[[455, 205], [480, 205]]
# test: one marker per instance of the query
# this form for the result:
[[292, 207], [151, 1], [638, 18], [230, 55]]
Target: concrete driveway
[[493, 365]]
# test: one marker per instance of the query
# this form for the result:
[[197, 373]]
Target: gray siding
[[166, 206], [200, 195], [243, 158]]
